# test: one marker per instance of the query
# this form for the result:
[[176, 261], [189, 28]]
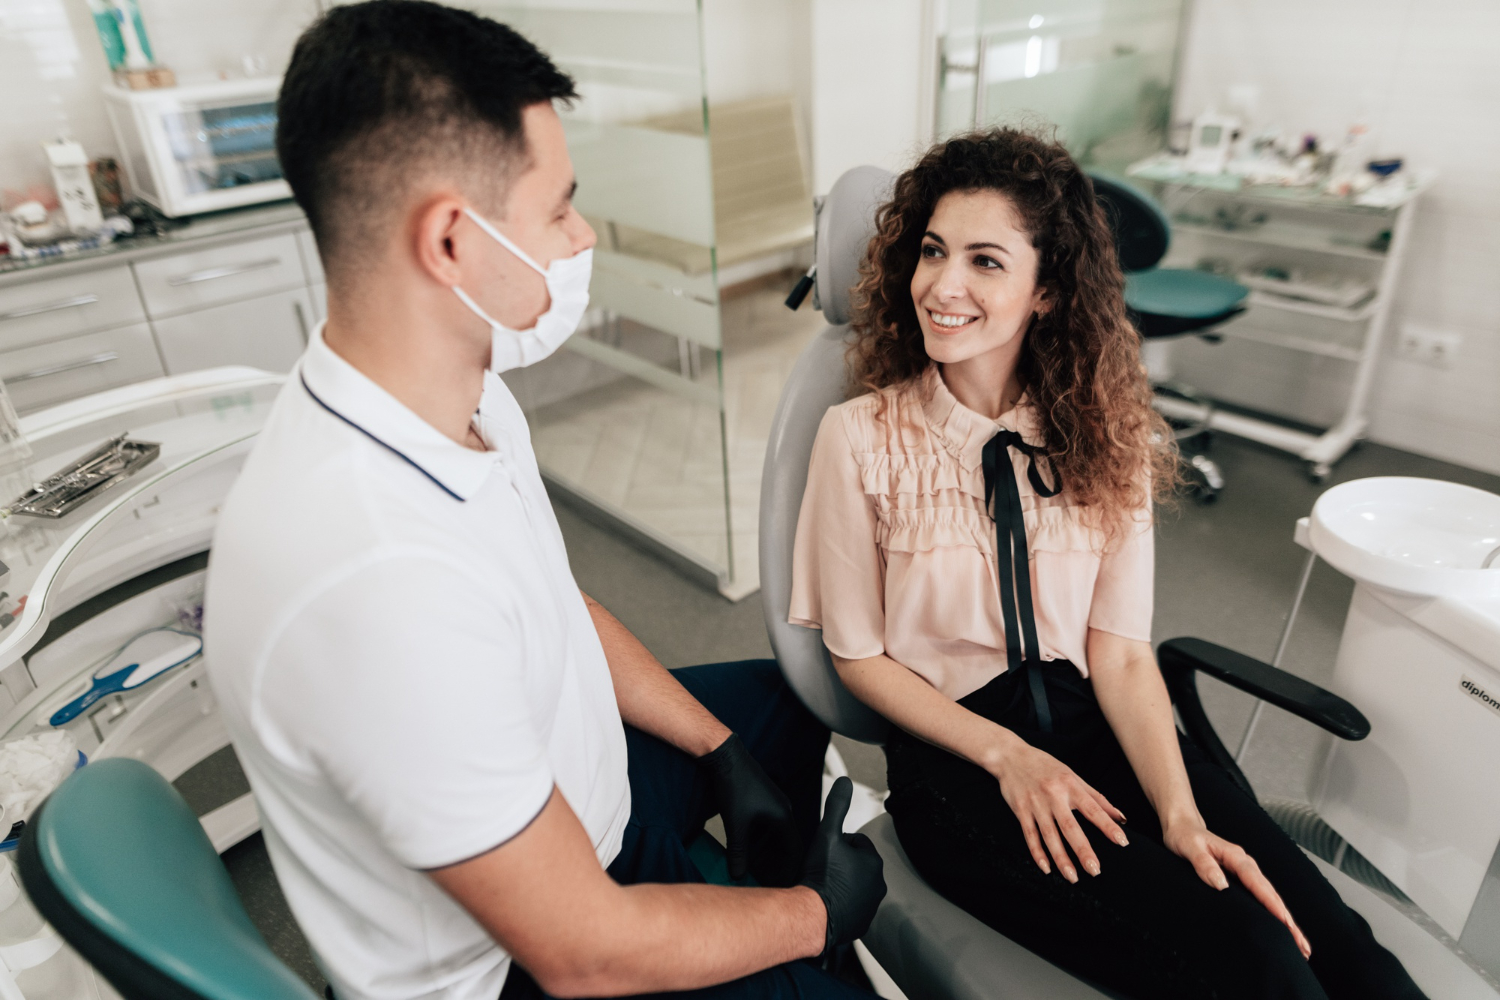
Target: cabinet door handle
[[209, 274], [66, 366], [301, 321], [47, 307]]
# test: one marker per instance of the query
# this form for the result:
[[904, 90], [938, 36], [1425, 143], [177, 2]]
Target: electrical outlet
[[1428, 346]]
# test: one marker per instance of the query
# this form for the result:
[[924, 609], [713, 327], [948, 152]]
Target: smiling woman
[[996, 236], [976, 299], [976, 545]]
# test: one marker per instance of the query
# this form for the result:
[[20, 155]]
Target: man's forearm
[[682, 937], [543, 896], [650, 698]]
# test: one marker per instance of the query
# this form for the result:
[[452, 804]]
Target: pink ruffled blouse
[[895, 548]]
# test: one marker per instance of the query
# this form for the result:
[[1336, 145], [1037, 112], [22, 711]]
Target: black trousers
[[1147, 925], [670, 801]]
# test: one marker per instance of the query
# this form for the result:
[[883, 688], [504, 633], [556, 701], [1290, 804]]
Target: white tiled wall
[[1426, 75], [52, 66]]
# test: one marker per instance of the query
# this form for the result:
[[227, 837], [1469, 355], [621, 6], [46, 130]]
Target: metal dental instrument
[[70, 487]]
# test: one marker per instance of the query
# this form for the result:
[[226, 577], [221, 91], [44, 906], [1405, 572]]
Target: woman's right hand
[[1044, 793]]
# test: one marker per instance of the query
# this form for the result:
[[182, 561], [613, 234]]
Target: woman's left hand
[[1210, 855]]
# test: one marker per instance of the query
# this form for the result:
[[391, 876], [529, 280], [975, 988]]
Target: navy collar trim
[[394, 451]]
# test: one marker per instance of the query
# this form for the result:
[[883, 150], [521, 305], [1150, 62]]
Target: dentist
[[471, 777]]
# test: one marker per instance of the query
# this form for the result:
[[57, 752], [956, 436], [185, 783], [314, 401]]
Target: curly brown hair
[[1080, 361]]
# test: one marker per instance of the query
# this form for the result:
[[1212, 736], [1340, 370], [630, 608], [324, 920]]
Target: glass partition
[[629, 419], [1100, 70]]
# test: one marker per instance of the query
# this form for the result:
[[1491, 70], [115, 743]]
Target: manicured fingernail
[[1122, 841], [1046, 868], [1221, 882], [1070, 874], [1092, 866]]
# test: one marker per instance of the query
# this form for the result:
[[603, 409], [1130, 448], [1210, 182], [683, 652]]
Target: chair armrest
[[1182, 659], [1287, 691]]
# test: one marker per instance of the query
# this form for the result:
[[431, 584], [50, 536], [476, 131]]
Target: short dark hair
[[378, 91]]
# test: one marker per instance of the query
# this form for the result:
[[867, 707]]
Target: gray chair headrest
[[846, 221]]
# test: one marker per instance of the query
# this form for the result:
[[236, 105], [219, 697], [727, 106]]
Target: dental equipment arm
[[543, 896], [1182, 658]]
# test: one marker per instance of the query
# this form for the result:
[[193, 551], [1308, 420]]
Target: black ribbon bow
[[1013, 562]]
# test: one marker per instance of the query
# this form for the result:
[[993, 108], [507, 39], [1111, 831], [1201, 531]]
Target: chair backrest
[[119, 865], [1142, 231], [845, 223]]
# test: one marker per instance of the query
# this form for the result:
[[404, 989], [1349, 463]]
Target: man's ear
[[433, 225]]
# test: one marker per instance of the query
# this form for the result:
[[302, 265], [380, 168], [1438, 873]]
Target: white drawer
[[311, 262], [48, 308], [51, 373], [172, 285], [269, 332], [319, 293]]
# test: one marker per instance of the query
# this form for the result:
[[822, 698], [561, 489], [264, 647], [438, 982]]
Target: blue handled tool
[[147, 655]]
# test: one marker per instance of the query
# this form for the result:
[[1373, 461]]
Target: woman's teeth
[[950, 321]]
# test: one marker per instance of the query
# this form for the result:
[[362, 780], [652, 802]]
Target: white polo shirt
[[406, 668]]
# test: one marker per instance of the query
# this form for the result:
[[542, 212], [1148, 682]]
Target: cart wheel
[[1206, 478], [1318, 471]]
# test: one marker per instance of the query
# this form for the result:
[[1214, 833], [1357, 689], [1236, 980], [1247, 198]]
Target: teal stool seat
[[119, 865], [1167, 291], [1162, 302]]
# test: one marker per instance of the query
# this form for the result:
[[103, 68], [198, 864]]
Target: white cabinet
[[55, 371], [317, 282], [46, 308], [311, 262], [268, 332], [71, 330], [196, 280], [320, 301]]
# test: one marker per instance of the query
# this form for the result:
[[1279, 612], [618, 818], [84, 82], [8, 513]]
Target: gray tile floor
[[1225, 572]]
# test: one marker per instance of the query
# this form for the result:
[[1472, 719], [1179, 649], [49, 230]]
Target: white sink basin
[[1414, 536]]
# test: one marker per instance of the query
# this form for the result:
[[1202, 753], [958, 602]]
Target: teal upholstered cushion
[[1182, 293], [123, 851]]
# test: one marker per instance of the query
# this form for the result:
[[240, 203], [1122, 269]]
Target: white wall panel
[[868, 87]]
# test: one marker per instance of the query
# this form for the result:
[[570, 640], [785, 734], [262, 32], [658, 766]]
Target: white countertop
[[204, 230]]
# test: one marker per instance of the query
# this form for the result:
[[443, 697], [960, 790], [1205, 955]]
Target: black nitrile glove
[[845, 870], [758, 827]]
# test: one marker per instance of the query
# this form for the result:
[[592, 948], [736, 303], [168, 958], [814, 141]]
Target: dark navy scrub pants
[[670, 800]]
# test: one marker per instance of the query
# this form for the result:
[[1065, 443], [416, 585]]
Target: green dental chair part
[[119, 865]]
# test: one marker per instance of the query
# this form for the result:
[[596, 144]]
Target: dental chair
[[117, 862], [932, 949]]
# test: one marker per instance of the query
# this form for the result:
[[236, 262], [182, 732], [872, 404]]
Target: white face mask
[[567, 284]]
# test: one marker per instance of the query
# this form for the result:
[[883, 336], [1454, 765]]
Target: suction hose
[[1302, 823]]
